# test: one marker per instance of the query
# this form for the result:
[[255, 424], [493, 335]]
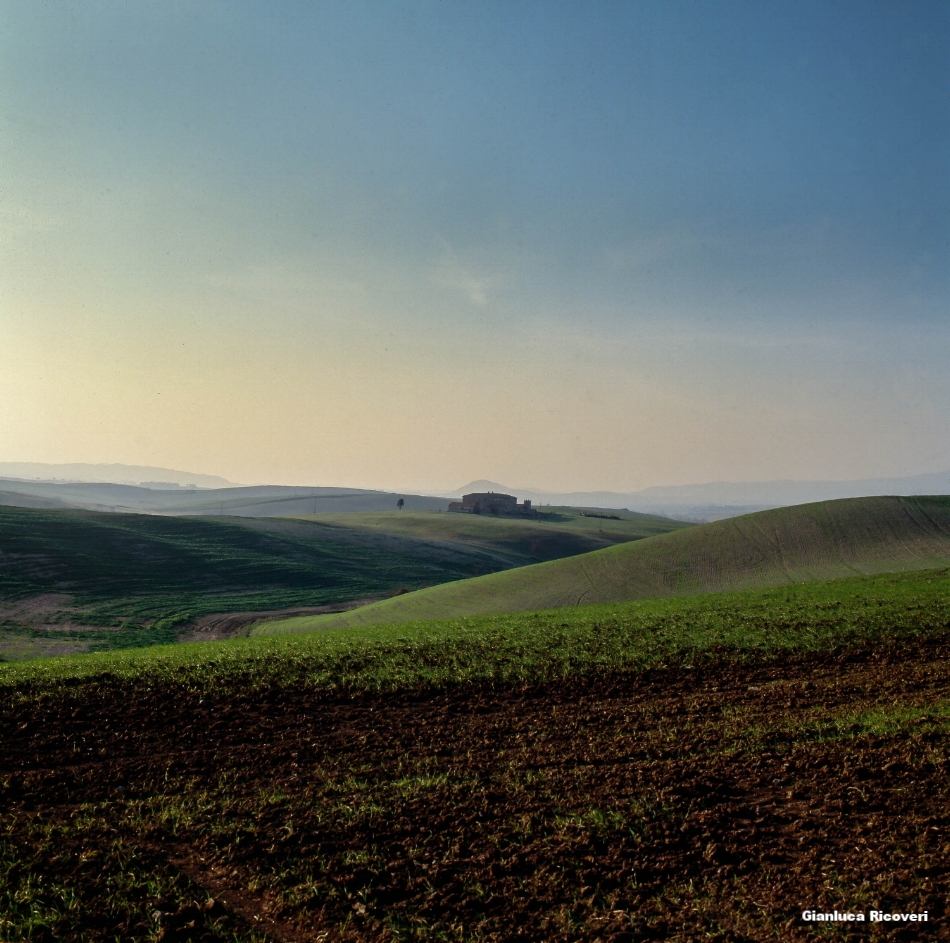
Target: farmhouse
[[490, 503]]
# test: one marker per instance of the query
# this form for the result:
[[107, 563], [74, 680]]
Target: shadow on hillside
[[554, 517]]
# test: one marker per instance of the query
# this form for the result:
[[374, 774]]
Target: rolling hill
[[169, 498], [79, 580], [769, 548], [71, 580], [717, 500], [557, 532]]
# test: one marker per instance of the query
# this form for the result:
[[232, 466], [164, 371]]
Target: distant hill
[[557, 532], [166, 491], [252, 501], [769, 548], [113, 473], [113, 556], [72, 580], [718, 500]]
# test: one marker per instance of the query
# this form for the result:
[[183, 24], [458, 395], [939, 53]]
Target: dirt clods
[[717, 802]]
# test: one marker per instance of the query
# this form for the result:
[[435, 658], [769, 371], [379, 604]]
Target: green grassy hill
[[73, 580], [808, 542], [558, 531]]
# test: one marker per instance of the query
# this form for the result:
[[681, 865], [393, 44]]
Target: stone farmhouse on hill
[[501, 505]]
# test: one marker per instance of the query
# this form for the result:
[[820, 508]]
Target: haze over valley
[[124, 488]]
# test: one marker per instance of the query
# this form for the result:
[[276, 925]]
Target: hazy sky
[[407, 245]]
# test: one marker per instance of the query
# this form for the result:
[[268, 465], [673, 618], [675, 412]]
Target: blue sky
[[409, 245]]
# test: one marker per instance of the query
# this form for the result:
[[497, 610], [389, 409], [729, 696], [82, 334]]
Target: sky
[[576, 246]]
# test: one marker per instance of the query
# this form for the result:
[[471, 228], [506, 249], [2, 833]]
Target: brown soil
[[35, 610], [223, 625], [706, 804]]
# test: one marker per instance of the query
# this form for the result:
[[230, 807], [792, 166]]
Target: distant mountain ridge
[[113, 473], [720, 499], [150, 489]]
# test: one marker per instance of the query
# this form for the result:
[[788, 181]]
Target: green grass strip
[[535, 647]]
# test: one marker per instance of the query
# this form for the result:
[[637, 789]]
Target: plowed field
[[713, 802]]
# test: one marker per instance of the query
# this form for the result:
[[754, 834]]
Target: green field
[[79, 580], [75, 581], [808, 542], [557, 532], [533, 647]]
